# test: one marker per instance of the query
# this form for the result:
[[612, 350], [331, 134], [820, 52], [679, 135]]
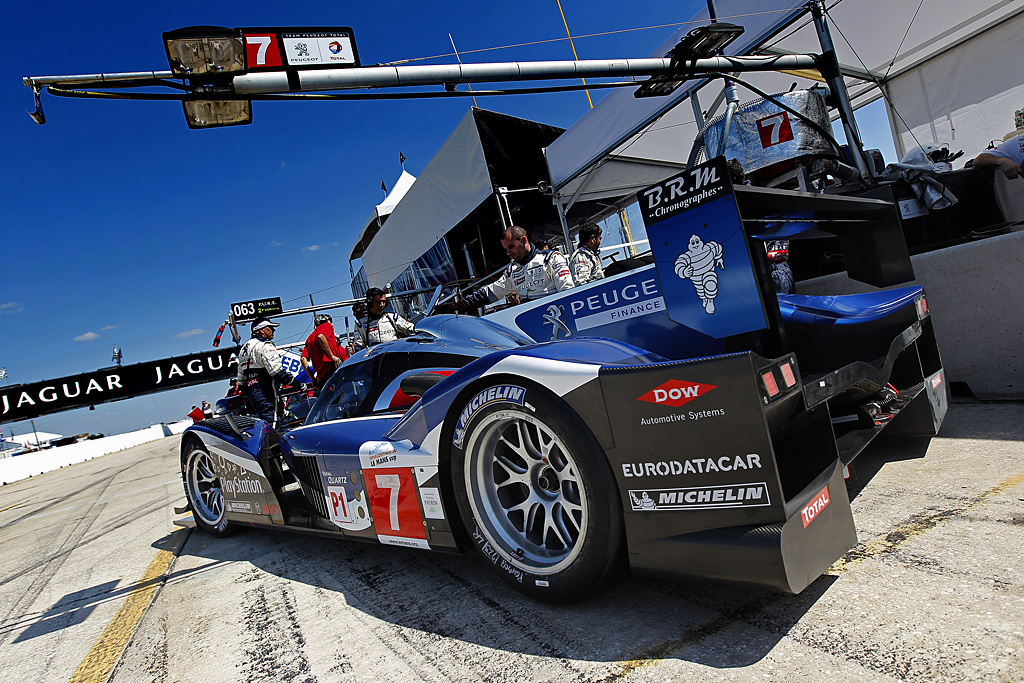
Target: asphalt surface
[[933, 591]]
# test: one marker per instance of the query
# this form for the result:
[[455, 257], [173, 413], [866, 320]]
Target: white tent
[[451, 185], [950, 69], [625, 143], [381, 212]]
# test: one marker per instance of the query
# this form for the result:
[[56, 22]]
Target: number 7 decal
[[261, 50], [395, 507], [774, 129]]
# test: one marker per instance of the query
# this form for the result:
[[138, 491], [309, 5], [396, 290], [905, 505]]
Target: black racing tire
[[536, 494], [203, 489]]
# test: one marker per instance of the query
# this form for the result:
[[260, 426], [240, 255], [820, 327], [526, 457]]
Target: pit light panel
[[208, 57]]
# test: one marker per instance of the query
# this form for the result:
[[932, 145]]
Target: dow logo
[[676, 392]]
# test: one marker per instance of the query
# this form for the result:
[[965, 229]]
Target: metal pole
[[698, 115], [829, 68], [566, 233], [400, 76], [501, 212]]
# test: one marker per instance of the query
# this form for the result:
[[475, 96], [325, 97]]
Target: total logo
[[676, 392]]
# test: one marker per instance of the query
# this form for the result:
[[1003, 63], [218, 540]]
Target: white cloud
[[312, 247], [190, 333], [11, 307], [88, 336], [109, 327], [275, 243]]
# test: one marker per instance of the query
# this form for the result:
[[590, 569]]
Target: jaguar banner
[[26, 401]]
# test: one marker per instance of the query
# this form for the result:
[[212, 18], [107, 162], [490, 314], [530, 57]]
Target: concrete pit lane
[[934, 591]]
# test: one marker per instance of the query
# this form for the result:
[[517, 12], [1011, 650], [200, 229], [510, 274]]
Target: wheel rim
[[526, 492], [204, 490]]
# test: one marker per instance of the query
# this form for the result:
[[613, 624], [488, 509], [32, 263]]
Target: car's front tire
[[536, 494], [203, 489]]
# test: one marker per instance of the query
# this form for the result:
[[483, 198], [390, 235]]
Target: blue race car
[[566, 463]]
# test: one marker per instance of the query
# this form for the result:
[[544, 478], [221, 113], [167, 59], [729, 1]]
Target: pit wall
[[30, 464], [976, 297]]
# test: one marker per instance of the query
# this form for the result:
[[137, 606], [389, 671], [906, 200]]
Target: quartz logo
[[676, 392]]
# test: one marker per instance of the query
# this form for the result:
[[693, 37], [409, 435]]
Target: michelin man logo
[[643, 502], [555, 317], [697, 264]]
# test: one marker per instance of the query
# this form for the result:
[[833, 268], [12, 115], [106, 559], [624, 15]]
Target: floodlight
[[700, 43], [200, 50], [217, 113]]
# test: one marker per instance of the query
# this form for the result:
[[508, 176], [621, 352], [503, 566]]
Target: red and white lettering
[[337, 504], [815, 507], [676, 392]]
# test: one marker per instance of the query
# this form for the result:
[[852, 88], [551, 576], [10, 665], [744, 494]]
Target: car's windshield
[[344, 393]]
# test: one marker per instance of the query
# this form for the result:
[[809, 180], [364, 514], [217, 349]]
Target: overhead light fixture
[[700, 43], [217, 113], [706, 41], [205, 50]]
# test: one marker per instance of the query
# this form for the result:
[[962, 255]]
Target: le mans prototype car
[[566, 463]]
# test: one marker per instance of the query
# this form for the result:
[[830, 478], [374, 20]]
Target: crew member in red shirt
[[323, 351]]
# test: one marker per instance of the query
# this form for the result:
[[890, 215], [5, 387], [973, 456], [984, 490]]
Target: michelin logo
[[701, 497], [697, 264], [506, 393]]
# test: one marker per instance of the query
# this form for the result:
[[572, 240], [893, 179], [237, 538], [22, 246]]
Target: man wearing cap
[[323, 351], [259, 367]]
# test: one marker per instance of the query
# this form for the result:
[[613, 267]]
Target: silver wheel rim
[[525, 492], [204, 490]]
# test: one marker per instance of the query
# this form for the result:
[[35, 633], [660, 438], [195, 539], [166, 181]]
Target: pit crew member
[[323, 351], [259, 367], [1008, 157], [532, 273], [585, 262], [379, 326]]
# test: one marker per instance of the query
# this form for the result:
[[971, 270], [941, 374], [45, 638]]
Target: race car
[[565, 463], [707, 440]]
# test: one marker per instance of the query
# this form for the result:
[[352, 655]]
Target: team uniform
[[542, 273], [371, 331], [1012, 149], [259, 365], [586, 265]]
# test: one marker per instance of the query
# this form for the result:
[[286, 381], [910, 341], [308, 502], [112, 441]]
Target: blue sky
[[122, 226]]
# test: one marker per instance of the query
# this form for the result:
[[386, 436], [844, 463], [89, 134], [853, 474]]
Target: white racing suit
[[259, 365], [586, 265], [542, 273], [371, 331]]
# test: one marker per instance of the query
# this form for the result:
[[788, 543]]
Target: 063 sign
[[246, 311]]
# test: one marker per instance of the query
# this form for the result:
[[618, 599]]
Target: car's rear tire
[[203, 489], [536, 494]]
